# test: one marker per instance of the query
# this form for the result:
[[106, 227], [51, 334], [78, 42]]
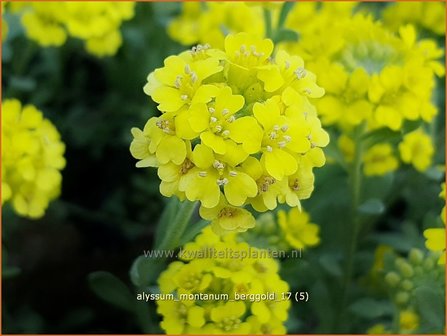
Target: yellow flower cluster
[[289, 230], [436, 236], [416, 149], [97, 23], [429, 15], [223, 287], [32, 157], [209, 22], [371, 75], [237, 128]]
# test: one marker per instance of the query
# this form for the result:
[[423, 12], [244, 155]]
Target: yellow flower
[[106, 45], [299, 232], [32, 158], [268, 187], [216, 122], [282, 137], [157, 143], [227, 217], [379, 160], [176, 314], [175, 85], [185, 27], [417, 149], [346, 101], [408, 321], [435, 241], [42, 24], [289, 72], [227, 318], [300, 185], [140, 147], [217, 289], [396, 98]]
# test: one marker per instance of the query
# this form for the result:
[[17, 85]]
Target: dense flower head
[[209, 22], [97, 23], [32, 158], [236, 128], [372, 75], [215, 265], [428, 15]]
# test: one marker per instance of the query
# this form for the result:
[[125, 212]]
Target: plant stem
[[355, 187], [177, 226], [268, 23]]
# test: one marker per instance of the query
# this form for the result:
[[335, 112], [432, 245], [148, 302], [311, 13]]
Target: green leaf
[[286, 35], [370, 308], [372, 206], [111, 289], [167, 216], [411, 125], [176, 226], [430, 304], [192, 231], [285, 9], [381, 135], [398, 241], [331, 264], [145, 271]]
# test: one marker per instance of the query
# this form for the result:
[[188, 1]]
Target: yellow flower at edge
[[299, 232], [435, 241], [435, 237], [408, 321], [417, 149], [32, 158], [429, 15]]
